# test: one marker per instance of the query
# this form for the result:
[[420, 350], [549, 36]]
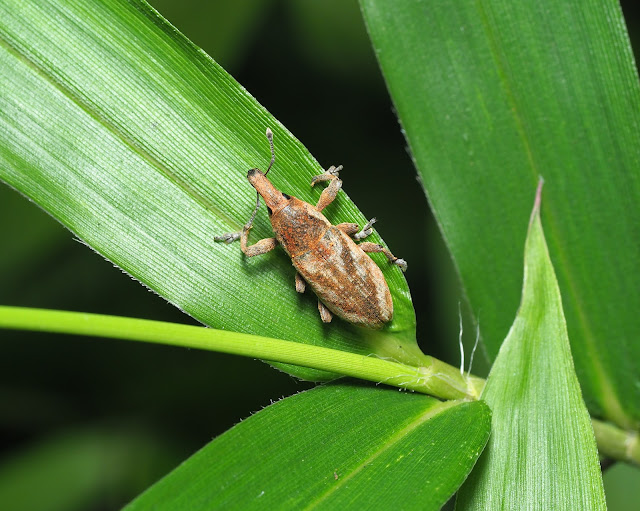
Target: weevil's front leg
[[228, 237], [354, 229], [325, 314], [301, 285], [348, 228], [374, 247], [330, 192], [366, 230], [258, 248]]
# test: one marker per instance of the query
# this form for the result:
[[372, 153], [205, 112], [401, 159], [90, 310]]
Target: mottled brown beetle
[[346, 280]]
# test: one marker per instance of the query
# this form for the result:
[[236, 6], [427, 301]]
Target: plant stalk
[[432, 377]]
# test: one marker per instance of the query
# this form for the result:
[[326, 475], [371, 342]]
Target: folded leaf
[[542, 452]]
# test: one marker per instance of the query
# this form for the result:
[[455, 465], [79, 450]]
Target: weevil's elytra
[[346, 280]]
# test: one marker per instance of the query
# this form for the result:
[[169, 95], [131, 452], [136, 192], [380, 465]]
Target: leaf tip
[[536, 203]]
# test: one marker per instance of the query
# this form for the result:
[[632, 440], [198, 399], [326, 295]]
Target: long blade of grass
[[542, 452], [341, 447], [493, 94], [133, 138]]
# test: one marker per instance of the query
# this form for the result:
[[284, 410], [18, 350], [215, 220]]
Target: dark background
[[130, 412]]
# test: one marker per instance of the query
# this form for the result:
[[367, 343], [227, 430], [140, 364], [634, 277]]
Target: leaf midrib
[[432, 412]]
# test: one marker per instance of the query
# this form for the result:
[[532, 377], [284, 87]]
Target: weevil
[[347, 282]]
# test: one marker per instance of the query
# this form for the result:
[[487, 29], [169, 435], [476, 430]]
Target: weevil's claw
[[366, 230], [333, 170], [401, 263], [228, 237], [328, 175]]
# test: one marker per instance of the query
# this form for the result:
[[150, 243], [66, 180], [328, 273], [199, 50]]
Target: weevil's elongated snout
[[273, 198]]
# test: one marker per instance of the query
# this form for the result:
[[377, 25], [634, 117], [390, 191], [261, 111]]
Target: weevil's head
[[273, 198]]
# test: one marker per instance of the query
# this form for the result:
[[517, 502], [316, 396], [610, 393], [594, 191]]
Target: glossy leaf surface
[[542, 452], [139, 143], [335, 447], [492, 95]]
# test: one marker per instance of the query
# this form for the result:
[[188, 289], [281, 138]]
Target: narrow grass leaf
[[542, 452], [334, 447], [493, 94], [139, 143]]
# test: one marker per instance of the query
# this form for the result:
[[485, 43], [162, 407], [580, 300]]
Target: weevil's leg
[[366, 230], [325, 314], [262, 246], [348, 228], [374, 247], [301, 285], [228, 237], [328, 175], [354, 230], [259, 247], [330, 192]]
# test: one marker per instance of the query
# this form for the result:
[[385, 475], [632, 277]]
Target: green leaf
[[542, 452], [340, 447], [139, 143], [493, 94]]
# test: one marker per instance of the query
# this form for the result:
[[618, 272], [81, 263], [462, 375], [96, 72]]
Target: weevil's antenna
[[248, 225], [269, 135], [273, 153]]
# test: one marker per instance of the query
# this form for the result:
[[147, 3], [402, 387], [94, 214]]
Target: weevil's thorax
[[298, 226]]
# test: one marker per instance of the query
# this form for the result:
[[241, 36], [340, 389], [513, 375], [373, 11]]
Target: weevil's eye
[[269, 210], [286, 196]]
